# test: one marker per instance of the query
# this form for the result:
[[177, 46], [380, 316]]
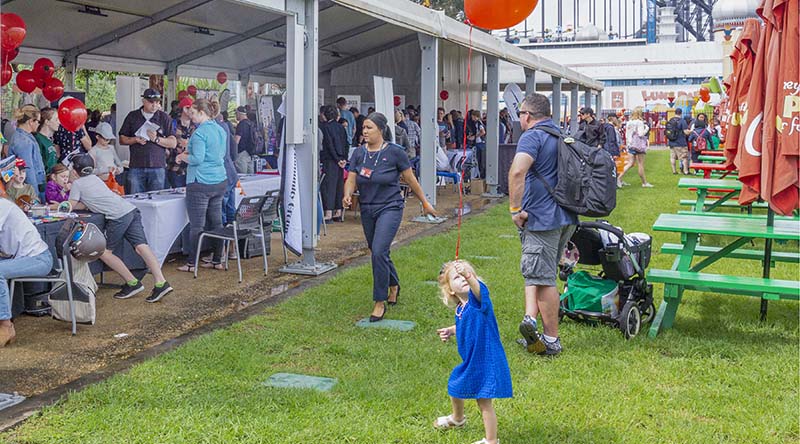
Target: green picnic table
[[686, 275], [729, 188]]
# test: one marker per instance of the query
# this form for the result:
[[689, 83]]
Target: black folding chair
[[249, 221]]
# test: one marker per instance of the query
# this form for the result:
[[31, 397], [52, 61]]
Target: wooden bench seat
[[768, 288], [756, 255], [728, 204], [736, 215]]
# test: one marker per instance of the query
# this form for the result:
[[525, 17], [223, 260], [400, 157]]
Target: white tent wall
[[453, 75], [401, 63]]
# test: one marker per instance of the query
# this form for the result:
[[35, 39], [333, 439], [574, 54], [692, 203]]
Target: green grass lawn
[[719, 376]]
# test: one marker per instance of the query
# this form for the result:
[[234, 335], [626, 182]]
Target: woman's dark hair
[[380, 121], [698, 123], [331, 113]]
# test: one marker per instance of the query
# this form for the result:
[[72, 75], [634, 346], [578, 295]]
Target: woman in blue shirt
[[206, 180], [375, 169], [24, 146]]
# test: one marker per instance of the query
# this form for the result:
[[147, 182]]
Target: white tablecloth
[[164, 215]]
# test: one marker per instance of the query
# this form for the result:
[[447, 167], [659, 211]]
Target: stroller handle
[[602, 225]]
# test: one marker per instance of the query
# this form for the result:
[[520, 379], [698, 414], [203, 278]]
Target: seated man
[[22, 253], [123, 221]]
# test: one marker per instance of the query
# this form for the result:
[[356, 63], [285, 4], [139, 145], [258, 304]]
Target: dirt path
[[46, 356]]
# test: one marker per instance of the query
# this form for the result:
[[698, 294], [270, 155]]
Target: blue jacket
[[24, 146], [207, 148]]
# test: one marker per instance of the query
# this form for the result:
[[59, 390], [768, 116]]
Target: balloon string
[[464, 146]]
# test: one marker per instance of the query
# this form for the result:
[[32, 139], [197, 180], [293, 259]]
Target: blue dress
[[484, 372]]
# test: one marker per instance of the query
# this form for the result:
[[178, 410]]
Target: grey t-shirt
[[98, 198]]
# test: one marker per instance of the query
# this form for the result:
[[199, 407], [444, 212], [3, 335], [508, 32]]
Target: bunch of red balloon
[[72, 114], [12, 33], [190, 90], [705, 94]]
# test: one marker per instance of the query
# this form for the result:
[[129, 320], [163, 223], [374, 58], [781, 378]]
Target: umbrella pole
[[767, 261]]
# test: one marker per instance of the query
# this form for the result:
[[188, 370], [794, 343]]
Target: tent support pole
[[71, 70], [573, 109], [171, 92], [492, 150], [587, 98], [302, 63], [530, 81], [555, 102], [428, 97]]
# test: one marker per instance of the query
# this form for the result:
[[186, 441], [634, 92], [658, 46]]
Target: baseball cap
[[103, 129], [151, 93], [20, 163], [186, 101], [241, 109]]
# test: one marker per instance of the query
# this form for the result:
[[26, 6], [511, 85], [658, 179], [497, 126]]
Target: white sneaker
[[647, 185]]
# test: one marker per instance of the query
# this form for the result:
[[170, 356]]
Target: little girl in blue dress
[[484, 374]]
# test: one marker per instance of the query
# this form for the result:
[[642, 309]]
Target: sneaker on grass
[[159, 292], [551, 348], [529, 332], [129, 290]]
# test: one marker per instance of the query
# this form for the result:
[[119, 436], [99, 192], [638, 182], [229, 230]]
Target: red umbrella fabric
[[743, 57], [749, 150], [781, 139]]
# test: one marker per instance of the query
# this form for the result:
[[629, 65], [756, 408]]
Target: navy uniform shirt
[[383, 168], [149, 155], [543, 212]]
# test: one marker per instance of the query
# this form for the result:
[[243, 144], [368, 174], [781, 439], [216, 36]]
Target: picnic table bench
[[711, 158], [717, 153], [708, 168], [684, 275]]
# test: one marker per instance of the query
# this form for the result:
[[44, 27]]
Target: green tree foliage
[[452, 8]]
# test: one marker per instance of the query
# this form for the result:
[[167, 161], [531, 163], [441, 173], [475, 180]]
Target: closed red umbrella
[[781, 139], [743, 57], [749, 150]]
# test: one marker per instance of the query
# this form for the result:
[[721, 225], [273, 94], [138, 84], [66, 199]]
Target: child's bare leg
[[458, 409], [150, 260], [117, 265], [489, 419]]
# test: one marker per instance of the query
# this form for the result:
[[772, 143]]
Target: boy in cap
[[123, 221], [17, 190]]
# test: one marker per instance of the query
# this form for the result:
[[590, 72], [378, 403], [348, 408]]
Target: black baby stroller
[[619, 295]]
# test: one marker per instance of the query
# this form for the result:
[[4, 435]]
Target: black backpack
[[671, 130], [587, 177]]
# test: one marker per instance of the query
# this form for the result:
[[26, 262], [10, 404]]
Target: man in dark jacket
[[612, 136], [590, 131], [333, 157]]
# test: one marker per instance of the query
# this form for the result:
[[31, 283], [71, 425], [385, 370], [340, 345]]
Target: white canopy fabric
[[203, 37]]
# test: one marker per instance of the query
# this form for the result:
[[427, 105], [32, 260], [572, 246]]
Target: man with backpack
[[676, 132], [590, 131], [544, 225]]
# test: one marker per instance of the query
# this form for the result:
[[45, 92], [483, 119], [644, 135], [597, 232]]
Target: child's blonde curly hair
[[447, 295]]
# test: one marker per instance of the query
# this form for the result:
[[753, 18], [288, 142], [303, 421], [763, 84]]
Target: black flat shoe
[[328, 221], [396, 297], [373, 318]]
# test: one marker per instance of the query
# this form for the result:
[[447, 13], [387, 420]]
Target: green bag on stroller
[[591, 293]]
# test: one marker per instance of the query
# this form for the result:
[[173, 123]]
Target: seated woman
[[22, 253]]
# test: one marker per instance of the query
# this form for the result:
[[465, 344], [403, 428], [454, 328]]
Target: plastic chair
[[249, 221], [456, 177], [61, 273]]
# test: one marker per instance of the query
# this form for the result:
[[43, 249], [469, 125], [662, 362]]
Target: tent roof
[[202, 37]]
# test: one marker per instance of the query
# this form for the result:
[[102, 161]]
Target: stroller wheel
[[649, 313], [630, 320]]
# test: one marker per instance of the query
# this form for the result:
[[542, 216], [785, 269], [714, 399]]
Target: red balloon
[[192, 90], [5, 74], [397, 101], [182, 94], [498, 14], [222, 77], [12, 30], [26, 81], [72, 114], [8, 56], [53, 89], [444, 95], [43, 68]]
